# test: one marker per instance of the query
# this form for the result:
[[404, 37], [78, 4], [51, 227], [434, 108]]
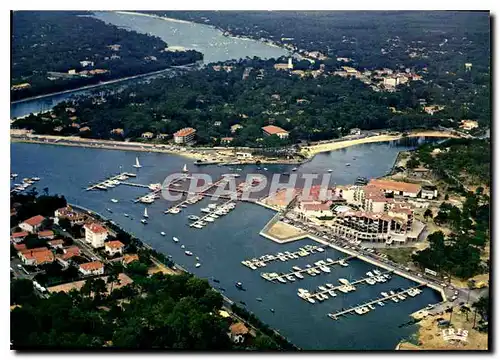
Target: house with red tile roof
[[185, 135], [275, 130], [20, 247], [114, 247], [238, 332], [18, 236], [32, 224], [67, 254], [46, 234], [92, 268], [74, 217], [37, 256], [95, 234], [128, 258]]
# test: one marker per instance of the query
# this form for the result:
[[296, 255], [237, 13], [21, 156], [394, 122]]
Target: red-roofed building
[[20, 247], [226, 140], [397, 187], [32, 224], [114, 247], [75, 218], [95, 234], [128, 258], [275, 130], [184, 136], [18, 236], [92, 268], [58, 243], [35, 257], [315, 208], [46, 234], [68, 253]]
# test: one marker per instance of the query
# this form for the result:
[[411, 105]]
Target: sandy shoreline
[[312, 150], [217, 155]]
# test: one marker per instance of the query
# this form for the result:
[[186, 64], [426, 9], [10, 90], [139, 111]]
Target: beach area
[[226, 155], [310, 151]]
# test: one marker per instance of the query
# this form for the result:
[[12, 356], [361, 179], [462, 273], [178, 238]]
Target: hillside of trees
[[462, 164], [57, 41], [311, 109], [174, 312], [435, 44]]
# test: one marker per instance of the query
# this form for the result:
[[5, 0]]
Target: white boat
[[163, 233], [369, 274], [376, 272], [344, 281], [394, 299], [193, 217], [320, 249], [330, 286], [175, 210], [332, 293], [298, 275], [198, 265], [343, 263], [294, 169], [114, 201], [370, 281], [137, 165], [347, 164], [380, 303], [330, 170], [281, 280], [209, 219], [371, 306], [212, 206], [205, 210], [144, 221], [188, 253], [185, 168], [126, 215], [290, 277], [328, 260], [325, 269], [311, 300], [296, 268], [175, 239], [384, 294], [322, 288], [183, 247], [146, 213], [198, 226]]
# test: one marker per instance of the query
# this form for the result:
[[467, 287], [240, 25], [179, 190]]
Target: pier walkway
[[200, 220], [336, 315], [327, 291]]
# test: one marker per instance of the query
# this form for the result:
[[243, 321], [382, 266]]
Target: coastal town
[[168, 196]]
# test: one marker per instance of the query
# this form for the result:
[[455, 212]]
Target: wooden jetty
[[336, 315]]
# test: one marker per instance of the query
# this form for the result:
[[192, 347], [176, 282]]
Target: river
[[206, 39], [230, 239]]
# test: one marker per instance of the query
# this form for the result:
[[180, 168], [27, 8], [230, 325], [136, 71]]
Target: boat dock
[[272, 277], [201, 221], [334, 288], [133, 184], [336, 315], [287, 255], [103, 185]]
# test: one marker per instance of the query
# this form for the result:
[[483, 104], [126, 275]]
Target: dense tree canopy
[[57, 41]]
